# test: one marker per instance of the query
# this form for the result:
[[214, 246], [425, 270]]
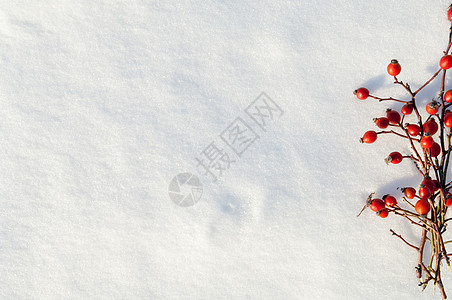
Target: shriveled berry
[[407, 109], [381, 122], [430, 127], [409, 192], [394, 158], [369, 137], [445, 62], [422, 207], [413, 129], [390, 201], [393, 116], [432, 107], [394, 68], [361, 93], [377, 204], [426, 142]]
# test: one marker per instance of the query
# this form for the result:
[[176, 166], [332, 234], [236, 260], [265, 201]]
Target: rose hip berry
[[361, 93], [446, 62], [449, 14], [390, 201], [369, 137], [448, 200], [407, 109], [448, 96], [435, 150], [437, 186], [393, 116], [383, 213], [426, 142], [381, 122], [448, 119], [394, 158], [409, 192], [429, 183], [430, 127], [422, 207], [413, 129], [432, 107], [424, 192], [394, 68], [377, 204]]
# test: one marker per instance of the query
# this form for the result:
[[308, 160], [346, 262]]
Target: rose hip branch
[[429, 135]]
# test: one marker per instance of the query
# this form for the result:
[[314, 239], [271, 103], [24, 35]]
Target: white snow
[[104, 102]]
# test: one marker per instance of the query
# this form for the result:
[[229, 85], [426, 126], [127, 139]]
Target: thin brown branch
[[388, 99], [428, 81], [400, 237], [421, 250]]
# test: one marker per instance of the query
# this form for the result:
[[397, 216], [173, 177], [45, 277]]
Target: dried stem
[[400, 237]]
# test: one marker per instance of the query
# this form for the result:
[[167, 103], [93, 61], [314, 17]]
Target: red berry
[[448, 96], [426, 142], [446, 62], [430, 127], [383, 213], [369, 137], [394, 157], [377, 204], [361, 93], [449, 14], [407, 109], [448, 119], [413, 129], [435, 150], [394, 68], [422, 207], [448, 199], [409, 192], [424, 192], [381, 122], [393, 116], [449, 202], [437, 187], [390, 201], [432, 107], [429, 183]]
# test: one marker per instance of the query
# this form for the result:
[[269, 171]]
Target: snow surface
[[104, 102]]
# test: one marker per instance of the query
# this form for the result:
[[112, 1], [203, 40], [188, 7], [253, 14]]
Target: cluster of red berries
[[425, 132], [426, 189], [393, 117], [379, 205], [430, 141]]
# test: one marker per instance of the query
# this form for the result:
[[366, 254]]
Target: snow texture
[[104, 102]]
